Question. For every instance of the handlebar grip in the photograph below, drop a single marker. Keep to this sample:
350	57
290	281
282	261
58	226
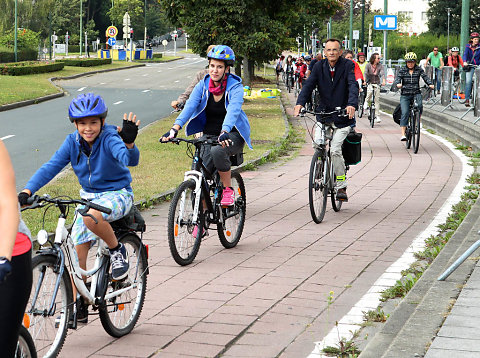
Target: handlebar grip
32	199
100	208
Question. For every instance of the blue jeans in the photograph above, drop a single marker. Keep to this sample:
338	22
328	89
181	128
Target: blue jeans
405	105
438	76
468	83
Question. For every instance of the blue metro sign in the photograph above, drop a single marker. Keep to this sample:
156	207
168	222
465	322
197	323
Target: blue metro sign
385	22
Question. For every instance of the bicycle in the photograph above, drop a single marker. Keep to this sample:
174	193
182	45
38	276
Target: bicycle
322	178
372	114
297	85
52	307
458	86
473	91
289	81
186	212
412	132
361	100
25	345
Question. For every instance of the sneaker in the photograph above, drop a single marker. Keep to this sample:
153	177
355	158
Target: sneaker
403	138
342	195
195	232
82	311
228	197
119	261
377	120
467	103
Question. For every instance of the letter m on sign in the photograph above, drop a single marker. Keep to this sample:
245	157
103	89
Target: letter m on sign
385	22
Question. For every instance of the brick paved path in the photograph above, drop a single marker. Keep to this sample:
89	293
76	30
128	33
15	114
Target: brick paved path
268	296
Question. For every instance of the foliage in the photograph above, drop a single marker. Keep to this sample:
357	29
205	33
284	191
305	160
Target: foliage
224	22
29	67
399	44
8	55
135	10
26	39
86	62
438	16
377	315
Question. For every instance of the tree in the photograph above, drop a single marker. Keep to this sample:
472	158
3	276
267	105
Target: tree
135	10
257	30
438	16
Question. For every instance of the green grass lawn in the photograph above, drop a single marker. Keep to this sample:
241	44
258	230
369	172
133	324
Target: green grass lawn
21	88
162	166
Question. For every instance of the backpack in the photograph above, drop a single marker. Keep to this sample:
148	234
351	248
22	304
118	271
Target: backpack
397	114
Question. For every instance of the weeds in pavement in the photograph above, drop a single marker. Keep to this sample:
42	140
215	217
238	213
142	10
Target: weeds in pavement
377	315
345	348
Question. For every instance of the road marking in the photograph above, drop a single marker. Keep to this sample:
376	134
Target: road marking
177	81
144	91
146	74
7	136
171	68
118	102
81	89
102	83
127	79
159	71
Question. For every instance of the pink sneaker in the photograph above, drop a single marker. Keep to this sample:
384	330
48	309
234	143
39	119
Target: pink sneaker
195	232
228	197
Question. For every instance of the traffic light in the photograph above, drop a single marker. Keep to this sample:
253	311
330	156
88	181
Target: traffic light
344	43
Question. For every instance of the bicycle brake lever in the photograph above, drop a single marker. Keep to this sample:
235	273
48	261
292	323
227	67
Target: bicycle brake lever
83	212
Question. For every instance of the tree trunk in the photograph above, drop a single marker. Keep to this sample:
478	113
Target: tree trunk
238	67
247	72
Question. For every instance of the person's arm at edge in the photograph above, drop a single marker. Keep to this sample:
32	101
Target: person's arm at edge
9	216
190	106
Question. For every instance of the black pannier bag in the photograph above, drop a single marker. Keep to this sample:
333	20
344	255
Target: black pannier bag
352	148
397	114
237	159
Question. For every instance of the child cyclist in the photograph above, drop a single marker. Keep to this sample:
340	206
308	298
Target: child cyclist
99	154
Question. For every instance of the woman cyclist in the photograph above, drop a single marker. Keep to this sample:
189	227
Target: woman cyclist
408	79
455	61
215	108
373	74
471	56
15	260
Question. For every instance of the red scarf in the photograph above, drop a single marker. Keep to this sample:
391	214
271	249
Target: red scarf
218	90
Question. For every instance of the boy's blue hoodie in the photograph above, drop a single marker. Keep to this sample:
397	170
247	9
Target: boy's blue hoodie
194	111
104	170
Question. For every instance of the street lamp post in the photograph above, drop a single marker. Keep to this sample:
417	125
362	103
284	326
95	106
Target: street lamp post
350	34
81	27
362	36
448	28
145	36
16	27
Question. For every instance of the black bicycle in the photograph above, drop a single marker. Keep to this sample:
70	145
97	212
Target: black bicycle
322	178
25	345
372	114
412	131
361	99
289	81
188	221
52	308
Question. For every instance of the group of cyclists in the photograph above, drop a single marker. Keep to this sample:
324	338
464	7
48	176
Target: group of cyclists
100	154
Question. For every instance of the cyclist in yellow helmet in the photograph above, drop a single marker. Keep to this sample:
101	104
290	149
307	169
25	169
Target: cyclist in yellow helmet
408	79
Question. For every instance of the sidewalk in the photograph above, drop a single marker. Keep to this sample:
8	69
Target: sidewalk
269	296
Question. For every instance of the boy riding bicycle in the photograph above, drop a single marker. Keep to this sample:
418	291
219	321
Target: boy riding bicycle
99	155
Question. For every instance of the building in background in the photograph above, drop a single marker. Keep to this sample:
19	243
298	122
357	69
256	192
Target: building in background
415	10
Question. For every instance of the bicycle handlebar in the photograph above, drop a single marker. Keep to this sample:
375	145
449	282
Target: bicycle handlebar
36	201
342	112
191	141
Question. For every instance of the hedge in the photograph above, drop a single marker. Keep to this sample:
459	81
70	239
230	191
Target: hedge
86	62
29	67
22	55
157	55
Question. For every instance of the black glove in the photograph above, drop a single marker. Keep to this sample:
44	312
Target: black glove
23	198
172	133
5	268
129	131
223	137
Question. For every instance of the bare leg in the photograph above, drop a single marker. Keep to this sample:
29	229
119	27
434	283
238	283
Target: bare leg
403	130
226	178
102	229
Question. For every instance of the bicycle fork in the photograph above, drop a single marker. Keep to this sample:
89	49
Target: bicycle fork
197	177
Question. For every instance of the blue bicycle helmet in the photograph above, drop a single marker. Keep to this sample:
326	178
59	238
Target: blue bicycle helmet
87	105
224	53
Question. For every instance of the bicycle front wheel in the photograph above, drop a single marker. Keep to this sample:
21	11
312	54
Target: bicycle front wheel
458	91
416	132
409	131
25	345
317	187
120	313
230	231
372	116
48	329
181	227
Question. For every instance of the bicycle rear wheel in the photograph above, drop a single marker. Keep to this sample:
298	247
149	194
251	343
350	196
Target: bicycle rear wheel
416	132
119	314
336	204
183	245
317	187
25	345
48	331
458	91
230	230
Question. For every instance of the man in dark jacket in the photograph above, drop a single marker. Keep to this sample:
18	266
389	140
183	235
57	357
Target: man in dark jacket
335	79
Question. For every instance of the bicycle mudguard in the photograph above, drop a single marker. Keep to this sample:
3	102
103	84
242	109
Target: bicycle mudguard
102	285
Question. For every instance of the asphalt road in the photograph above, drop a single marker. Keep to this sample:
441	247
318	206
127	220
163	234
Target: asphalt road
33	133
